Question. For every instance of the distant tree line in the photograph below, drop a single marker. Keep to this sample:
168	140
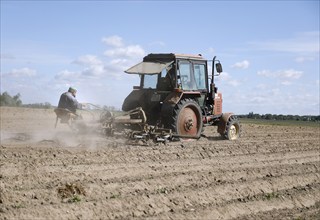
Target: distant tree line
45	105
280	117
8	100
14	101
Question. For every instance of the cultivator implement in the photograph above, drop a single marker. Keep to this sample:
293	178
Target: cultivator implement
133	125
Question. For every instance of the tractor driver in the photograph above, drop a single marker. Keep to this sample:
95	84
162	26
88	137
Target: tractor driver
68	101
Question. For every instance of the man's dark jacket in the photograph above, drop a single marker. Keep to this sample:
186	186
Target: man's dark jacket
68	101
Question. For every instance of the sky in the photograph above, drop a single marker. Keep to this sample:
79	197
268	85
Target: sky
269	50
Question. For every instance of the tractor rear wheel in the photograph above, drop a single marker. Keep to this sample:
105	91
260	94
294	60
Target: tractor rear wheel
187	119
232	131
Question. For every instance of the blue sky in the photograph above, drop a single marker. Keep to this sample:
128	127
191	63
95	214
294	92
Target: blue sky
269	49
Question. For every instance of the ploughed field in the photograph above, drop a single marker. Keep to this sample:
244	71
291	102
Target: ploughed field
271	172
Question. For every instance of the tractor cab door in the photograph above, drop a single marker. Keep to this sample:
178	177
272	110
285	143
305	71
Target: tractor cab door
199	71
200	75
185	76
192	76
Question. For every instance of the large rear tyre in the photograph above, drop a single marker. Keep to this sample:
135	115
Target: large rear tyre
232	131
187	119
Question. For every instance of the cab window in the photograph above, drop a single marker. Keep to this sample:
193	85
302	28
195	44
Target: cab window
199	75
150	81
186	76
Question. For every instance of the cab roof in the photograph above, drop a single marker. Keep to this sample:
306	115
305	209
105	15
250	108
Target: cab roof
154	63
171	56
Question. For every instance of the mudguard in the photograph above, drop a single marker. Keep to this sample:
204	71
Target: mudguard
173	99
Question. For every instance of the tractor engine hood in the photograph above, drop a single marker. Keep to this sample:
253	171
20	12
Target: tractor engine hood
148	68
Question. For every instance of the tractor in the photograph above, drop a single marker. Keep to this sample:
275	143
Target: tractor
177	97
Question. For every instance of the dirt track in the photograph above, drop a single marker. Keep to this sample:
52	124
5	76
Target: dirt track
272	172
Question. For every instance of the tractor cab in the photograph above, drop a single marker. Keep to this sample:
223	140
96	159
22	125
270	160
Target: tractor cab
166	72
163	74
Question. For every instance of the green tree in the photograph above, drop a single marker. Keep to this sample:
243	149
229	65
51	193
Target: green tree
8	100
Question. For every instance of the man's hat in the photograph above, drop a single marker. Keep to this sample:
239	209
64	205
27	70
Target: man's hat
71	89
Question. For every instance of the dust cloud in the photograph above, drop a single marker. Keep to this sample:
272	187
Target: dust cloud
40	128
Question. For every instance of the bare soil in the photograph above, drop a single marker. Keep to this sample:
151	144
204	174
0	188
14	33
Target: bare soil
271	172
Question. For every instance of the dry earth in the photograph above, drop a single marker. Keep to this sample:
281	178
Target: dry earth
272	172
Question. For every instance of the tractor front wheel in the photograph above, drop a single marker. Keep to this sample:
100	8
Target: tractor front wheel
232	131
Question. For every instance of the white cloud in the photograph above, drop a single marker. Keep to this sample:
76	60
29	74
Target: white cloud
131	51
286	83
88	60
257	99
290	74
23	72
261	86
120	65
284	74
119	58
241	65
67	76
304	59
225	77
233	82
275	91
114	41
119	62
93	65
94	70
120	50
261	98
266	73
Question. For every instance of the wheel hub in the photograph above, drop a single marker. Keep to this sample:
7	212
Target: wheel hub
187	122
233	132
188	125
